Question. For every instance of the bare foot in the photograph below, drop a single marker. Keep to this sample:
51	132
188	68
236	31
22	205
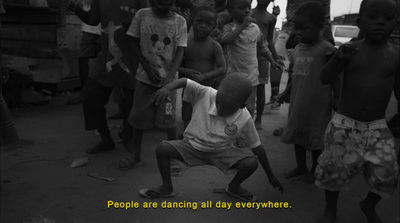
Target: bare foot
370	213
327	217
258	125
308	178
296	172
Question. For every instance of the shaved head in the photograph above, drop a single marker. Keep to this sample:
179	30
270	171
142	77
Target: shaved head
233	93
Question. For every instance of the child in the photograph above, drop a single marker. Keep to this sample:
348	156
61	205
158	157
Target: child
357	138
88	49
203	58
310	101
113	66
158	37
219	118
266	22
244	40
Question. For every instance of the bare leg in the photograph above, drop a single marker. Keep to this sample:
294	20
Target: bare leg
368	207
164	153
260	104
246	168
310	177
106	142
136	145
329	216
301	168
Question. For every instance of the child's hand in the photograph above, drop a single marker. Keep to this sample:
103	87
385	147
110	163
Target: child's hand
275	183
247	20
347	50
153	76
277	65
160	96
196	76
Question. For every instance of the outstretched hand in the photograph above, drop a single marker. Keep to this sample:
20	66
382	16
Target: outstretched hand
347	50
275	183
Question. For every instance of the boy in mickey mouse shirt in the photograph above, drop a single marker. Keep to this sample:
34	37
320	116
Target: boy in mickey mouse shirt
158	39
219	119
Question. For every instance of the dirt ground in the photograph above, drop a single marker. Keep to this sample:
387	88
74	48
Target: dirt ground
37	178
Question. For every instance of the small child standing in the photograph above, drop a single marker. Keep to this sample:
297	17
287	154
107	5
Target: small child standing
357	138
266	22
158	37
204	59
310	101
220	117
244	40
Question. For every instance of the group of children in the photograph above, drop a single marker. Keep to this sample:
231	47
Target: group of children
220	130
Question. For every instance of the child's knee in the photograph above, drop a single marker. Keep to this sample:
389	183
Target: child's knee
249	163
162	148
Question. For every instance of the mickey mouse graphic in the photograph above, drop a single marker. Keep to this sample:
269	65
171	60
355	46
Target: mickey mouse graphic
157	53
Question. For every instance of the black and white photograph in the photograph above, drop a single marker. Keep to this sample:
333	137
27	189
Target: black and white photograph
169	111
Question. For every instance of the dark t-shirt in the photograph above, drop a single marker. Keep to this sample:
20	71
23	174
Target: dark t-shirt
115	66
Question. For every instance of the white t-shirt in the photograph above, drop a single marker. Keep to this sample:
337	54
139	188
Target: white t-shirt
159	39
209	132
242	53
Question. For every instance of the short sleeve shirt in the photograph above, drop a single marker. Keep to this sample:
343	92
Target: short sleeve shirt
242	53
209	132
159	39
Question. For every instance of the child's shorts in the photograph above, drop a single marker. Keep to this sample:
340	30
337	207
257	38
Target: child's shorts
224	160
351	147
146	115
263	70
89	46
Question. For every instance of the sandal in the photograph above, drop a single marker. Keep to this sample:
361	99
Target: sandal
155	193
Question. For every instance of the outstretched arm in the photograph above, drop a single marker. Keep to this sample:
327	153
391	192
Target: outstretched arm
263	159
163	93
336	64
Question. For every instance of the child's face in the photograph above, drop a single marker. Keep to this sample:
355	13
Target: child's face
378	20
163	7
305	30
203	24
240	9
226	106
